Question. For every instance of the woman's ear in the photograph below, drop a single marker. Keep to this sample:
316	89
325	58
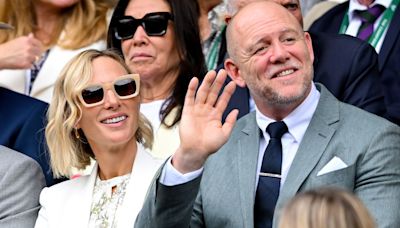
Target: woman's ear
234	72
77	122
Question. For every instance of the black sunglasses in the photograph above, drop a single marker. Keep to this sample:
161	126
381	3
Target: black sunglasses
154	24
124	87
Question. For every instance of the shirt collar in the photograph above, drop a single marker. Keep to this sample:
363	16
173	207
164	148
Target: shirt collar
298	120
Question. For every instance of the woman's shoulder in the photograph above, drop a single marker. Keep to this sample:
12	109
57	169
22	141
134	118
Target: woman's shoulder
98	45
67	187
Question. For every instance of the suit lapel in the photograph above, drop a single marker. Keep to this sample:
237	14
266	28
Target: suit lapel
50	70
390	38
143	170
315	140
81	203
247	162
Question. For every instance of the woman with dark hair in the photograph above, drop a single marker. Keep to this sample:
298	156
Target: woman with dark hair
160	41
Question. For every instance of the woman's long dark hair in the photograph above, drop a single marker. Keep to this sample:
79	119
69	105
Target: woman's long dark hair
187	38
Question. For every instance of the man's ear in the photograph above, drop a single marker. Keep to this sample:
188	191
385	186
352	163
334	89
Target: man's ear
234	72
308	41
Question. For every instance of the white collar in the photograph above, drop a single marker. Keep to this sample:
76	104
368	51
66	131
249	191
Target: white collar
298	120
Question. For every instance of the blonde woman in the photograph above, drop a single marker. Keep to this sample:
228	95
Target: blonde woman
45	36
95	114
326	207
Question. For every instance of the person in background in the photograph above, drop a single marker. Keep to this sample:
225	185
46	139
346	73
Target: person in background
308	5
378	23
23	128
160	41
212	31
95	114
346	66
325	207
45	36
299	138
21	180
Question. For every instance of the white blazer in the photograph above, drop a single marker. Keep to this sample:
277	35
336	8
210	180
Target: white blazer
166	140
67	204
42	89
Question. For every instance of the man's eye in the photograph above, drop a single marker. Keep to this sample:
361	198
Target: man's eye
289	40
291	6
260	50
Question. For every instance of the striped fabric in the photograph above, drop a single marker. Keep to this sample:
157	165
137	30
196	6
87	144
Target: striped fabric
368	17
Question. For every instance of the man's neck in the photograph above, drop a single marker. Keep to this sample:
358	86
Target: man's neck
366	2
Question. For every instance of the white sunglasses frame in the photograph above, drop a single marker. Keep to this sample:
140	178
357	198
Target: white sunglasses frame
110	86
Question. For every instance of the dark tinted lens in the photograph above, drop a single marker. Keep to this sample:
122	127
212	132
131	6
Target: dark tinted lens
125	28
125	87
155	25
93	94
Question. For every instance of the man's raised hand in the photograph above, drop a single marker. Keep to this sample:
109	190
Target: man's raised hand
201	130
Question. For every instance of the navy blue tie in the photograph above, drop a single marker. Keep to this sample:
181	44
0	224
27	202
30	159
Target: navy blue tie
270	177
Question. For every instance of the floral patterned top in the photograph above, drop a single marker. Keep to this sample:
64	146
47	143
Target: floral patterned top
108	196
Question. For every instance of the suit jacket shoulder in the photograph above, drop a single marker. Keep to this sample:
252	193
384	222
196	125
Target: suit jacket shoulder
21	180
24	129
348	68
330	22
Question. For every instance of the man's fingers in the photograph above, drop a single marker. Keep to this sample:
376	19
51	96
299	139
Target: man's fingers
226	95
204	88
216	87
230	121
191	91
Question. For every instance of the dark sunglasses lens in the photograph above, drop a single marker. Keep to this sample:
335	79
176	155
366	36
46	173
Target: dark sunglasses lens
155	26
125	28
125	87
93	94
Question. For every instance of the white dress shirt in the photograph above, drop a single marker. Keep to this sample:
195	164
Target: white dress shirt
297	122
355	22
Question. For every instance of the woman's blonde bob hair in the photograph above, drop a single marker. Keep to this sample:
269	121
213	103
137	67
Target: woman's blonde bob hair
68	146
326	207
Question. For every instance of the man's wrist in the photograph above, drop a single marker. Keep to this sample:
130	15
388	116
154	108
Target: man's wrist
186	162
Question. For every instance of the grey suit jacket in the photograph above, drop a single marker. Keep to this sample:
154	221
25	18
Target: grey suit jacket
224	195
21	180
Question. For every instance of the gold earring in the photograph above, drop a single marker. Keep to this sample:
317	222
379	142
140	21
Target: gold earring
77	136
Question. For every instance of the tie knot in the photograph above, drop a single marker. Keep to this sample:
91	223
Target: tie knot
371	14
277	129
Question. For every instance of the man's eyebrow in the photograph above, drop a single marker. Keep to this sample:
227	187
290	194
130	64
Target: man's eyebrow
289	30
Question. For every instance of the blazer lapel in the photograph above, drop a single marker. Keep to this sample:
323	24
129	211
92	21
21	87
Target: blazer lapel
315	140
51	69
247	163
143	170
81	203
390	38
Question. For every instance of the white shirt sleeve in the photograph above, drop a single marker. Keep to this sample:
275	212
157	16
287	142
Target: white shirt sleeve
171	177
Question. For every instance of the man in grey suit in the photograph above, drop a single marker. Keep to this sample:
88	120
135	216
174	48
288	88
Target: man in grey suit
327	143
21	181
